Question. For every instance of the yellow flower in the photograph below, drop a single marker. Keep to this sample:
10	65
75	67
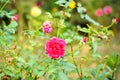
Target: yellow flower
35	11
72	4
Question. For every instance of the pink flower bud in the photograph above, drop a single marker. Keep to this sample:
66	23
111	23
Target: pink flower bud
107	10
115	20
38	4
14	47
47	27
15	17
99	12
84	39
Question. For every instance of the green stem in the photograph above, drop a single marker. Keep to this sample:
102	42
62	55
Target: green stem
95	31
1	3
75	62
115	65
110	25
58	32
58	26
4	6
81	72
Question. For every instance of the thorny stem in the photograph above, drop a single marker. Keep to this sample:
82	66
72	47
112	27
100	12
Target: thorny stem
75	62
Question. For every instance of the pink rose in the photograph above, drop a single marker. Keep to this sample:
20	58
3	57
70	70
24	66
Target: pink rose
15	17
99	12
107	10
47	27
55	48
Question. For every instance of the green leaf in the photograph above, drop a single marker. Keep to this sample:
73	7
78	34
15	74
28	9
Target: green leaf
93	72
9	71
48	60
78	79
13	24
17	73
62	76
49	15
87	72
12	12
35	71
76	53
11	31
102	75
84	58
94	44
82	16
91	20
66	4
85	30
111	61
87	78
20	59
60	1
68	40
70	78
79	5
96	55
52	68
28	69
110	70
67	14
80	10
100	66
30	78
67	66
41	73
52	77
1	75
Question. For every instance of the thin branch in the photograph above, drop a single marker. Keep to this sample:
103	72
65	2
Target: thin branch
75	62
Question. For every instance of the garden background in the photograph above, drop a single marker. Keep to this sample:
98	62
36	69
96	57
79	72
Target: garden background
59	40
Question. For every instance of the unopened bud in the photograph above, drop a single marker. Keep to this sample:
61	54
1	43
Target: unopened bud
115	20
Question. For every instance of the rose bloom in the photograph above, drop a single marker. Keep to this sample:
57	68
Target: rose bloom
55	48
99	12
84	39
47	27
107	10
15	17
